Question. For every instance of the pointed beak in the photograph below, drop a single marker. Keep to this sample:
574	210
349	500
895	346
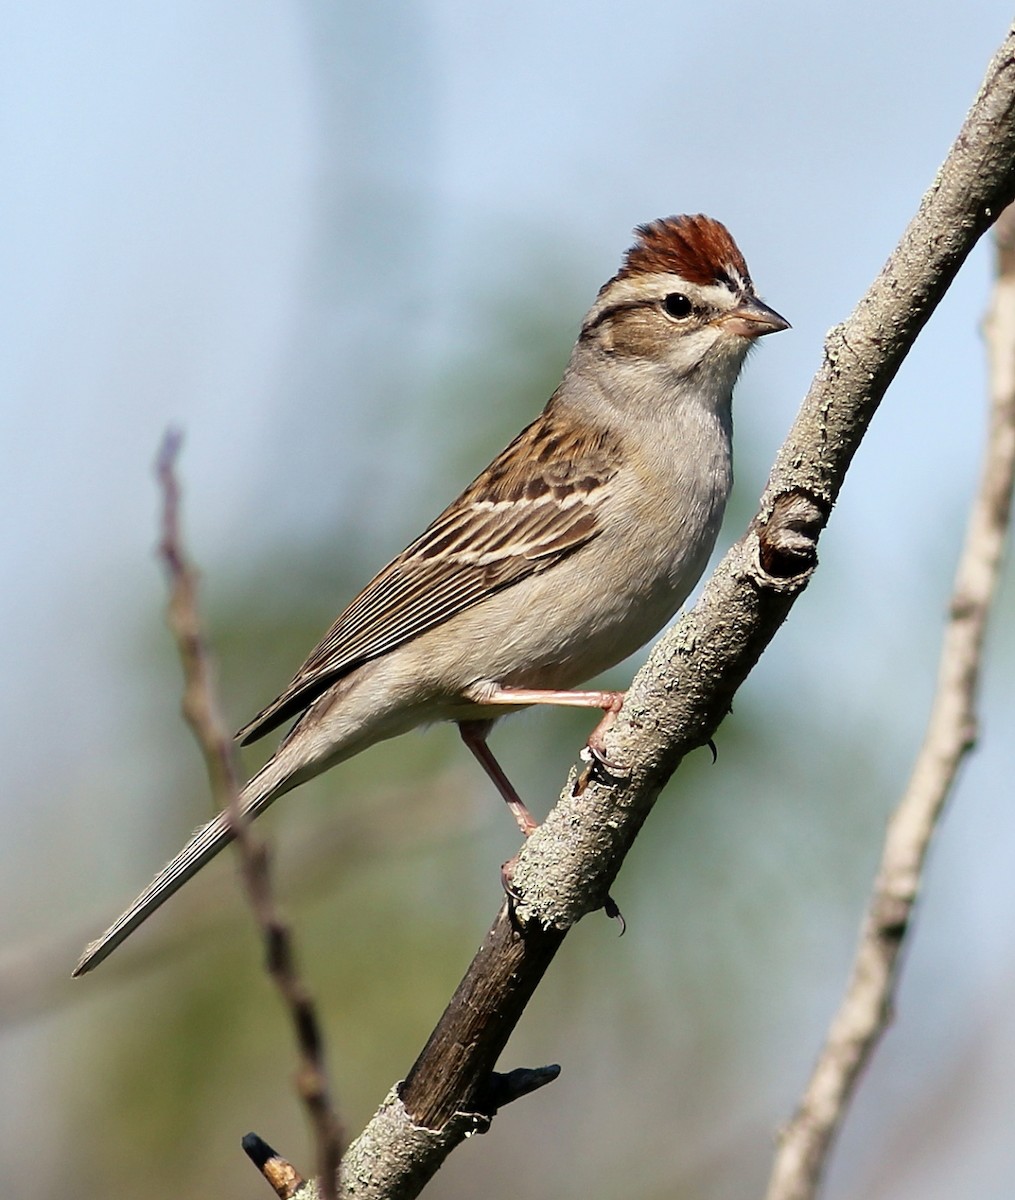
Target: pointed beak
753	319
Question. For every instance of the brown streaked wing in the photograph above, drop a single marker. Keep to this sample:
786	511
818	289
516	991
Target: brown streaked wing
533	505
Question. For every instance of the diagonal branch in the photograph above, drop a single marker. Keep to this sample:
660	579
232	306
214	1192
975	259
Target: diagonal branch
679	698
201	712
866	1007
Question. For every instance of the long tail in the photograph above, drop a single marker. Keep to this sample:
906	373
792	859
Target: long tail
270	783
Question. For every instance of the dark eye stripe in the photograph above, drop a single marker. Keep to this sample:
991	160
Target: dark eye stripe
624	306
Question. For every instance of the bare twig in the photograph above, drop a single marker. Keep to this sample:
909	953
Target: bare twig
286	1181
201	713
678	699
951	730
399	820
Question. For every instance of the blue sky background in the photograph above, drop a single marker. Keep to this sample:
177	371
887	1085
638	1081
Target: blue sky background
280	225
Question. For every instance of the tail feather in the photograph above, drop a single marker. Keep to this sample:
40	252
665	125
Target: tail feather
202	848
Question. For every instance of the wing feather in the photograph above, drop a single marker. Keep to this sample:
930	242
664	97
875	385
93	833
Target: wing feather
532	506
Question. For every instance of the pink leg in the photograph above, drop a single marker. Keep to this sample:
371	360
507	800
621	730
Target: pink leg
609	702
474	734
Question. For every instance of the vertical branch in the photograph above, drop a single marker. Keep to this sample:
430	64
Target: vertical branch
201	713
951	731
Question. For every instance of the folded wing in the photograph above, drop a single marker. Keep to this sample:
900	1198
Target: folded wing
535	504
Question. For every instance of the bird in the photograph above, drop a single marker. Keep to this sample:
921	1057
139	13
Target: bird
572	549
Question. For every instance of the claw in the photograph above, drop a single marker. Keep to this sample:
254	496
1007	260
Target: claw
605	770
715	753
600	768
615	769
507	874
613	912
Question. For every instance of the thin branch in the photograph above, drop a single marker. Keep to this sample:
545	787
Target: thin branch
399	820
678	699
866	1008
201	712
287	1182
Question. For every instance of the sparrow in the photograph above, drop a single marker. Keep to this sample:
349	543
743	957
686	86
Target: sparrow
568	553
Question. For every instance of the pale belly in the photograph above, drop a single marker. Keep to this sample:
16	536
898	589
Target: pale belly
559	630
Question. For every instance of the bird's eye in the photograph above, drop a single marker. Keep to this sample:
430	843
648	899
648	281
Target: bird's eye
677	304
